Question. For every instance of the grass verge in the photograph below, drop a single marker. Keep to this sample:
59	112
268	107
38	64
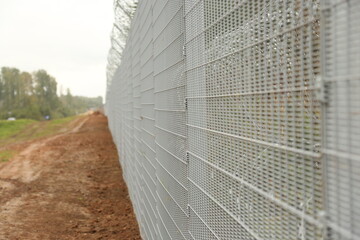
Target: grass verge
6	155
24	129
53	126
12	128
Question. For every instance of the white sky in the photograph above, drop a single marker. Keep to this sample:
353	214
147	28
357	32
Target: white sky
67	38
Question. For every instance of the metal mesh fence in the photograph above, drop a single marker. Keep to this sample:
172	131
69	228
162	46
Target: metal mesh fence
341	76
240	119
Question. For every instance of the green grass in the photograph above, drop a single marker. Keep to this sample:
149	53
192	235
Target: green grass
12	128
6	155
24	129
53	126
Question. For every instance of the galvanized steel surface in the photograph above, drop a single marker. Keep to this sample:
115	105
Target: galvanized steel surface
240	119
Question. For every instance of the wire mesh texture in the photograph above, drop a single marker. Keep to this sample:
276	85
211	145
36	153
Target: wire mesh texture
240	119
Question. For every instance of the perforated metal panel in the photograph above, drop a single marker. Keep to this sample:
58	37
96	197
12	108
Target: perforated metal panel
342	117
170	119
255	157
240	119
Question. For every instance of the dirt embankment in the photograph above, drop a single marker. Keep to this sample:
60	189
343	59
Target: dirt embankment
67	186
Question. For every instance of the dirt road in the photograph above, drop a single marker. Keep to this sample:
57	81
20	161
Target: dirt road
67	186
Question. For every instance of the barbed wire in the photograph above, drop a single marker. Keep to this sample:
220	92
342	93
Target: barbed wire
124	11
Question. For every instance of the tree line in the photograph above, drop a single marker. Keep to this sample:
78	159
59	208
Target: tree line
34	96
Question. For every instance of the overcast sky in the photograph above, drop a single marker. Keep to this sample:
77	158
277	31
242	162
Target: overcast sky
67	38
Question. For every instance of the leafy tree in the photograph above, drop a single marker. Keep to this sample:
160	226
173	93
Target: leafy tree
10	82
45	90
26	89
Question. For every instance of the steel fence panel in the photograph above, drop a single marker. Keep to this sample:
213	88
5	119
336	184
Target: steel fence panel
341	76
262	126
170	118
239	119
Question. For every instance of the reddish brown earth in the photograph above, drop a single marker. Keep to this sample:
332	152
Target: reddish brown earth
67	186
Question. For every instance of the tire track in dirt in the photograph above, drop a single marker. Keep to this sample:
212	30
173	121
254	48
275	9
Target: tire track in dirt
23	168
67	186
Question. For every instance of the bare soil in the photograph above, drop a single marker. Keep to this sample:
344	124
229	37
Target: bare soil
67	186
